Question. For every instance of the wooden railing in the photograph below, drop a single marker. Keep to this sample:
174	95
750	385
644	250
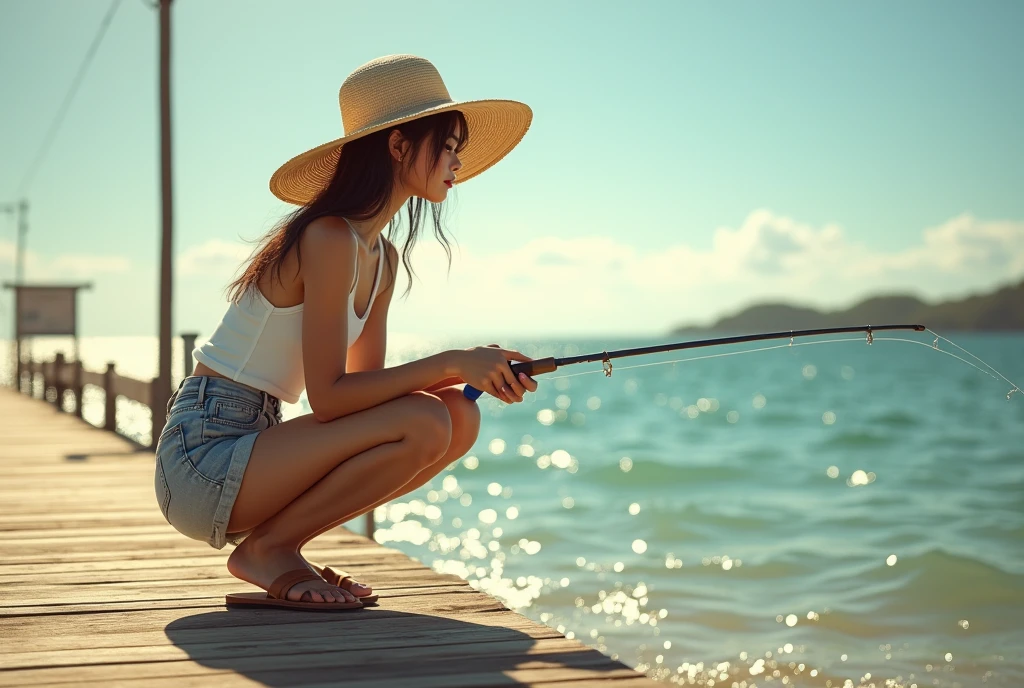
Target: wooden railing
61	375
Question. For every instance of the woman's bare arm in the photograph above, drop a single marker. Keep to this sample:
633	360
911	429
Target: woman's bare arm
328	268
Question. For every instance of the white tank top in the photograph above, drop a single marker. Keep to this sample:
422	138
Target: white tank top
260	345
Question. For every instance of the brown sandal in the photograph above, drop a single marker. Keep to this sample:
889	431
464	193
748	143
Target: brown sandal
275	596
339	578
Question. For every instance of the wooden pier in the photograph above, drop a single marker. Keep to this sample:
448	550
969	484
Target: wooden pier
97	589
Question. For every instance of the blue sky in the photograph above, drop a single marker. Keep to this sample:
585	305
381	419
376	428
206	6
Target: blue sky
686	159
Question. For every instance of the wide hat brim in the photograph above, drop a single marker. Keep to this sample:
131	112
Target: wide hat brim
495	126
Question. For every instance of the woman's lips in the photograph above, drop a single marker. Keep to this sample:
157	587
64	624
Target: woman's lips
448	182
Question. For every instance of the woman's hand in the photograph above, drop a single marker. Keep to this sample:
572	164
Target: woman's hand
487	368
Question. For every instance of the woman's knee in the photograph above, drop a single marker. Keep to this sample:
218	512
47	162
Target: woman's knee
465	418
429	425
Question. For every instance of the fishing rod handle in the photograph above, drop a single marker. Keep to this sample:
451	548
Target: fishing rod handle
531	368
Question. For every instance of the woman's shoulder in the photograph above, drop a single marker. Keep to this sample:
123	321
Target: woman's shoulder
328	251
330	233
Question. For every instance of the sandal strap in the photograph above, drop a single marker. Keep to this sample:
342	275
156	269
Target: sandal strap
289	579
341	575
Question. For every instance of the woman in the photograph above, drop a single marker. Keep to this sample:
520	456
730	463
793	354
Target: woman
310	312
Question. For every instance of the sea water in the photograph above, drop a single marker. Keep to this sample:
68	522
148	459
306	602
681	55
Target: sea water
829	514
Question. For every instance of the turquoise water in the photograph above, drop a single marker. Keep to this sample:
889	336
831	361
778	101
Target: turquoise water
837	513
878	544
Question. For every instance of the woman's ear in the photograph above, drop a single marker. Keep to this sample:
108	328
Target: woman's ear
397	145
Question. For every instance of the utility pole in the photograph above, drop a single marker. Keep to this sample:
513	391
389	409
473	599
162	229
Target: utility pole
161	391
19	265
21	208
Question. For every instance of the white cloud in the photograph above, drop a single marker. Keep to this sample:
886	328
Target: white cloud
601	284
214	258
64	266
86	266
604	285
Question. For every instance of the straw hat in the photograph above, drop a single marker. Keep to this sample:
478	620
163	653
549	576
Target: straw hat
388	91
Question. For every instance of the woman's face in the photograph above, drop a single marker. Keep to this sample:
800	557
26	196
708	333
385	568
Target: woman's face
433	184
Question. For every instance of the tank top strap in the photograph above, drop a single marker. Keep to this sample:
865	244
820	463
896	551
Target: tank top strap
355	278
380	266
380	270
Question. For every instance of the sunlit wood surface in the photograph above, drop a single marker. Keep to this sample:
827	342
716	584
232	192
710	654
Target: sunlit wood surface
96	588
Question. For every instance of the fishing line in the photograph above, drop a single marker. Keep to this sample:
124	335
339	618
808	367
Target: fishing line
701	358
935	345
551	364
932	346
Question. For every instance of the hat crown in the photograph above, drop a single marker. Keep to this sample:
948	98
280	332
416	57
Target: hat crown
387	89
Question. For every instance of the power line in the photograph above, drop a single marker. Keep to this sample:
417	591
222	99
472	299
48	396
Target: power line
51	134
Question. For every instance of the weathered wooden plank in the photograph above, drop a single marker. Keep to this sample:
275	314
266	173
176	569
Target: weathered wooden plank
158	580
120	622
214	594
78	573
15	537
318	658
110	541
126	464
98	456
406	631
13	485
112	514
56	628
186	548
441	605
95	588
15	596
545	675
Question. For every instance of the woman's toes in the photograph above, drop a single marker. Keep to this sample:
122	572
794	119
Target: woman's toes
335	594
359	589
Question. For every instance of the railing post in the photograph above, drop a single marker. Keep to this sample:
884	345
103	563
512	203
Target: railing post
58	382
46	367
22	369
370	525
189	341
30	368
44	372
110	419
158	409
78	387
19	368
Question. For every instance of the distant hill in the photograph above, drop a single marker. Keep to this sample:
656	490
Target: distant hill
999	311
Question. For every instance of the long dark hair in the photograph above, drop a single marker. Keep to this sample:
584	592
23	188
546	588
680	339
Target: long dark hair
362	187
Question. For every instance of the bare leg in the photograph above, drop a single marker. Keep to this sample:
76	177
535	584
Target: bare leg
304	474
465	416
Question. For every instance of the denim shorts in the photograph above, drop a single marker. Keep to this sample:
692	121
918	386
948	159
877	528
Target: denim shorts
202	453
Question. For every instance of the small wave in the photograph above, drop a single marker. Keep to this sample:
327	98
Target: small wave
769	570
653	472
862	438
896	419
940	580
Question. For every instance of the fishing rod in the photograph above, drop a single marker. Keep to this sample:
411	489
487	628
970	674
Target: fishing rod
550	364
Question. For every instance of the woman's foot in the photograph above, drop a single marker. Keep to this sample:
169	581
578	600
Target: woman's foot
356	588
260	565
